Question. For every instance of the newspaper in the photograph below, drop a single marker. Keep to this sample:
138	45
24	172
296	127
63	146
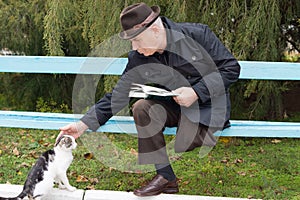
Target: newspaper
144	91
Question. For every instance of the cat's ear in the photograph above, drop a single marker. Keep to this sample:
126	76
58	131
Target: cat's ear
58	140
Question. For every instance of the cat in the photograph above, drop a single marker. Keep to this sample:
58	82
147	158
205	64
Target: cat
51	167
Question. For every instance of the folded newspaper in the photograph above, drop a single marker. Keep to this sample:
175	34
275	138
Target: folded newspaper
144	91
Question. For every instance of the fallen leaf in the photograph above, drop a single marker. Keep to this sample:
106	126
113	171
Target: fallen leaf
283	188
224	140
72	173
175	157
276	141
34	154
41	141
81	179
24	164
53	136
133	152
16	151
111	169
238	160
88	156
261	150
224	161
242	173
14	144
90	187
186	182
21	132
138	171
94	180
47	144
253	164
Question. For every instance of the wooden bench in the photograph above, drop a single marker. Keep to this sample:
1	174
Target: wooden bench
125	124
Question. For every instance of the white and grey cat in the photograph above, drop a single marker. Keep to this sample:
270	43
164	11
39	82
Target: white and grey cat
50	167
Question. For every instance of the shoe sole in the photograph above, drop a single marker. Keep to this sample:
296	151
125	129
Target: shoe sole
166	191
171	191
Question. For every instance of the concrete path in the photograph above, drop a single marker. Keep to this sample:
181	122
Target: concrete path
13	190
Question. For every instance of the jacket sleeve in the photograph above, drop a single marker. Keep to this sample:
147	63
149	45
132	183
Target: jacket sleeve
228	68
99	113
111	103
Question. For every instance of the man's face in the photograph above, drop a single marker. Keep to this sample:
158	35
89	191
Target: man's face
145	43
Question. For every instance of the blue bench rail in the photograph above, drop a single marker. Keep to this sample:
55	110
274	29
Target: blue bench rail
115	66
125	124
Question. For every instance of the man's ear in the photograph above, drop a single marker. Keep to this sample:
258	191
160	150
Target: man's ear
156	29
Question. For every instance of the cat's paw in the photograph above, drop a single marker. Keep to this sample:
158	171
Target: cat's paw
71	188
61	186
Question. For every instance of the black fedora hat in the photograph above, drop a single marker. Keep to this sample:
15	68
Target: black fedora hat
136	18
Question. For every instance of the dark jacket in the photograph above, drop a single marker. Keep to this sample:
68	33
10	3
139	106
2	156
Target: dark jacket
195	58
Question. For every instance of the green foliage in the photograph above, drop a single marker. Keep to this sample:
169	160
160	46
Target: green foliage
51	106
252	30
53	23
22	91
62	27
21	27
268	99
291	24
98	25
87	89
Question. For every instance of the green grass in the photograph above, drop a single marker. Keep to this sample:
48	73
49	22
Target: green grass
237	167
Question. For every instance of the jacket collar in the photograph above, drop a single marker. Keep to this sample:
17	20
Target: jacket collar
174	32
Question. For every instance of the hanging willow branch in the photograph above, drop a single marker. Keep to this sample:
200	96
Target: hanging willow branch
251	29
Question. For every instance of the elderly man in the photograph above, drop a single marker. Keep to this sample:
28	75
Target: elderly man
186	58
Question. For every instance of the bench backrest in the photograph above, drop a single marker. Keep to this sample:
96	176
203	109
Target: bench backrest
115	66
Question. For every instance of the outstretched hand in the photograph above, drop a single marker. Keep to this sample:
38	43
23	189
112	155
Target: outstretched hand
187	96
75	129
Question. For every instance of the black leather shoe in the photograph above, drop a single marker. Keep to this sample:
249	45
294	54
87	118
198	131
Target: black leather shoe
157	186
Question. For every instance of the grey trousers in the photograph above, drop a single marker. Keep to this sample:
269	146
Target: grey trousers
152	116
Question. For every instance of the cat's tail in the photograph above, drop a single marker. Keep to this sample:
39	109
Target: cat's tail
19	197
10	198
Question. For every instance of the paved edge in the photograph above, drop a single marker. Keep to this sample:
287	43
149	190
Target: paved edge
7	190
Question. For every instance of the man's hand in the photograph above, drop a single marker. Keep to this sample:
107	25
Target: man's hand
75	129
187	96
